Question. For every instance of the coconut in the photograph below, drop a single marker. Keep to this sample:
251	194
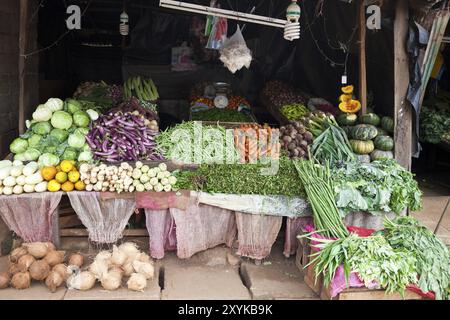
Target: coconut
21	280
118	257
130	249
144	268
50	246
99	268
128	269
39	270
116	269
17	253
104	255
25	262
5	279
37	249
143	257
137	282
112	280
82	281
76	259
54	257
13	268
62	270
54	280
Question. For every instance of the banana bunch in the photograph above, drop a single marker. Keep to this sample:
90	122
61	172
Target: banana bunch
143	89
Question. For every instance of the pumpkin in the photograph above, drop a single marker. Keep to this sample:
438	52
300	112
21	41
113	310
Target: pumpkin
362	146
369	118
345	98
384	143
347	89
382	132
379	154
363	158
364	132
387	123
347	119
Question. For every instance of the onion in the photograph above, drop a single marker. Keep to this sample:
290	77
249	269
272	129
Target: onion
76	259
37	249
112	281
13	269
54	280
144	268
17	253
82	281
137	282
39	270
118	257
21	280
25	262
5	279
62	270
55	257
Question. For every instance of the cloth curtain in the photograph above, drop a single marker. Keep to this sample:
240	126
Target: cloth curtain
105	220
30	215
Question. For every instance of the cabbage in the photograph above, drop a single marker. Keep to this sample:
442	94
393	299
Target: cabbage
82	131
81	119
42	113
19	145
41	128
92	114
20	157
31	154
73	105
76	140
85	156
48	160
61	120
69	154
59	134
86	147
54	104
50	149
34	140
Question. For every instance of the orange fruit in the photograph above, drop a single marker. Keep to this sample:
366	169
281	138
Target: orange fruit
67	186
80	186
48	173
61	177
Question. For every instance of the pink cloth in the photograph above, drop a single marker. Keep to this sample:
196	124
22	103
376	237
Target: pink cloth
189	231
257	234
339	284
163	200
294	226
30	215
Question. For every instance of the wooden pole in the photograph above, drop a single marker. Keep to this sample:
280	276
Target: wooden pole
23	31
402	108
362	57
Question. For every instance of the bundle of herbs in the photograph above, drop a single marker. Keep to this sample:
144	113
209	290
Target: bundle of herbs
318	185
243	179
432	258
217	114
372	258
378	187
332	146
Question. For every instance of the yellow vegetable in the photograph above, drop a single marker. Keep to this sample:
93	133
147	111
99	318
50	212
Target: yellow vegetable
61	177
58	168
53	186
74	176
48	173
66	166
347	89
80	186
67	186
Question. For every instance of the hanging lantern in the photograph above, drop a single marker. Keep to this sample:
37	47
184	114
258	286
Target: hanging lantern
292	27
124	27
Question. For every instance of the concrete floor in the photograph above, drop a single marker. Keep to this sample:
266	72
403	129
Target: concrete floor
213	274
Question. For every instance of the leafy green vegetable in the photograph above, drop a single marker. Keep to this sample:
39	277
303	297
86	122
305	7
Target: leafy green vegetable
380	186
34	140
371	257
243	179
61	120
81	119
434	122
217	114
19	145
431	255
59	134
41	128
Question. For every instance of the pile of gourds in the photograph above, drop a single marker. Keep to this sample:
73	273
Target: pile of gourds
369	135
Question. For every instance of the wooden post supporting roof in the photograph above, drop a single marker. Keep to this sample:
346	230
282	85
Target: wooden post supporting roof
402	108
362	57
23	31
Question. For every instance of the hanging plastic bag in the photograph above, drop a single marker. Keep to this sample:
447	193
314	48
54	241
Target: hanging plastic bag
234	53
218	33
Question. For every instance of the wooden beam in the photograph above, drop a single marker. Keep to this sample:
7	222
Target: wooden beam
84	233
362	57
23	32
402	108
